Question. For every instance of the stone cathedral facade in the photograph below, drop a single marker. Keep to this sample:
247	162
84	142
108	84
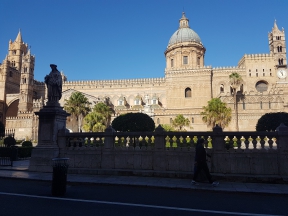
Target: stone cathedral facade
185	88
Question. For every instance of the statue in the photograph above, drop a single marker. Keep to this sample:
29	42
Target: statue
54	84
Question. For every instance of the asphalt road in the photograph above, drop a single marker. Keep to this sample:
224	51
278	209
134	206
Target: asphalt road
27	197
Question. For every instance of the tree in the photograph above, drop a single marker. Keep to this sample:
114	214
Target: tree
133	122
167	127
104	110
79	106
99	119
270	121
216	112
94	122
235	82
180	122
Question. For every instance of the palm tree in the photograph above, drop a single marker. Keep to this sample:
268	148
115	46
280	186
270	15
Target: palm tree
216	112
180	121
104	110
235	82
79	106
94	122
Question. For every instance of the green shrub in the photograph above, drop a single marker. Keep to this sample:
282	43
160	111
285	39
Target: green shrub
27	144
270	121
133	122
9	141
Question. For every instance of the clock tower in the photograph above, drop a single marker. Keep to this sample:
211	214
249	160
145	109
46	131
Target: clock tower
277	46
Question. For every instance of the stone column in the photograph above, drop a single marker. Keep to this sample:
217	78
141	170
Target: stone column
159	156
108	157
282	146
218	153
52	118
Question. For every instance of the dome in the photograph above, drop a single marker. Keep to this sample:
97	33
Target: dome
184	33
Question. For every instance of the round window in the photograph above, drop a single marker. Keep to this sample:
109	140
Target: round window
261	86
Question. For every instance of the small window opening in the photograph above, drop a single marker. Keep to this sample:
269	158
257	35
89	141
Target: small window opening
185	60
221	88
187	92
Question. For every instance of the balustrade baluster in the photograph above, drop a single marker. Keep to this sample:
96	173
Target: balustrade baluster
194	141
167	142
258	144
274	144
243	145
188	141
266	144
127	144
238	142
250	145
174	142
270	141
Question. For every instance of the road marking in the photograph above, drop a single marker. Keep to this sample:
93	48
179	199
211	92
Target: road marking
137	205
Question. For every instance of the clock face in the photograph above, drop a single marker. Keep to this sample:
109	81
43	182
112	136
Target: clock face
281	73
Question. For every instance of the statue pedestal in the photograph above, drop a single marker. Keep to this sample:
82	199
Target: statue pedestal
52	118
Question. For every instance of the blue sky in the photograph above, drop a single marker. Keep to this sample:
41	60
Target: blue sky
126	39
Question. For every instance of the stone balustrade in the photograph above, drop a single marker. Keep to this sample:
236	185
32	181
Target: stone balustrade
163	153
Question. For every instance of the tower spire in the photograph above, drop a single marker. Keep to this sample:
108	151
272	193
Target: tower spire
19	37
275	25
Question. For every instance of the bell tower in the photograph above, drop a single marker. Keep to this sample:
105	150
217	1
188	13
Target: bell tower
26	83
16	50
277	46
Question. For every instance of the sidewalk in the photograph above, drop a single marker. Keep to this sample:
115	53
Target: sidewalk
20	170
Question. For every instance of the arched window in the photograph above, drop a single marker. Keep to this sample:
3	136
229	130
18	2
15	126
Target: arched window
221	88
187	92
10	74
192	120
171	120
280	61
261	86
279	48
158	121
172	62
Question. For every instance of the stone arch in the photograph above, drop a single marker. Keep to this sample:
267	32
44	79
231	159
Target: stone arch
12	109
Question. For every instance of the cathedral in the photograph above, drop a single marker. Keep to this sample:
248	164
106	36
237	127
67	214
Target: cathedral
185	88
